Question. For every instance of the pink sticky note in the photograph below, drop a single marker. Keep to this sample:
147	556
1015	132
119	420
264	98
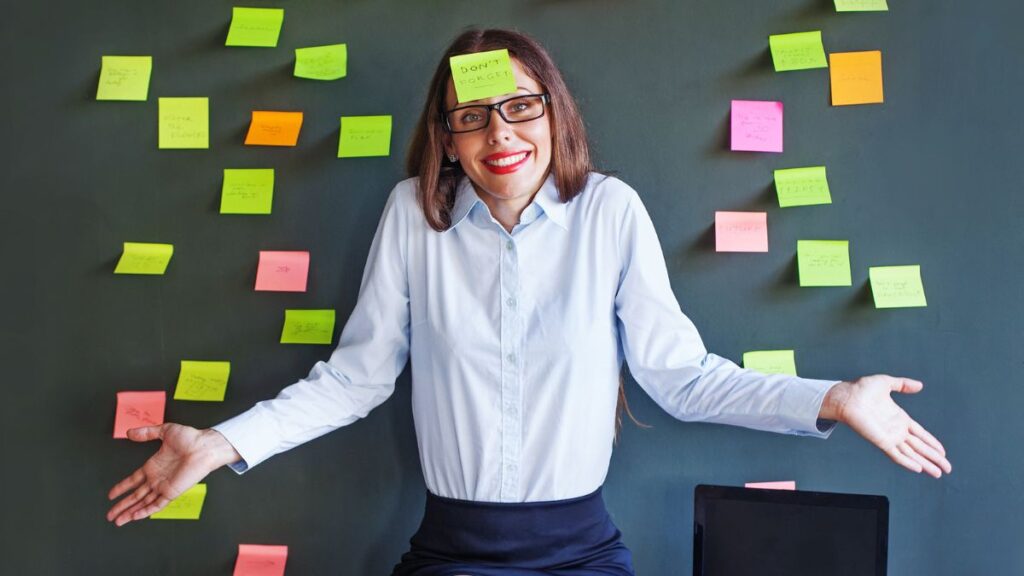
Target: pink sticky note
282	271
783	485
137	409
756	126
260	560
741	231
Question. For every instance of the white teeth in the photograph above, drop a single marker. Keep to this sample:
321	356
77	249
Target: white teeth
506	161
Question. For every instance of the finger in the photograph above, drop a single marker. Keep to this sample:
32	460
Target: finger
129	514
923	434
127	484
146	433
152	508
127	501
928	467
902	460
930	453
906	385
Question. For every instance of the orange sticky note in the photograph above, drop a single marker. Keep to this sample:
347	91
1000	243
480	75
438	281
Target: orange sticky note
137	409
783	485
274	128
282	271
741	231
856	77
260	560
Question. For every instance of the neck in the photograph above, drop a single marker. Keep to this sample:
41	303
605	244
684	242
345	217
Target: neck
506	211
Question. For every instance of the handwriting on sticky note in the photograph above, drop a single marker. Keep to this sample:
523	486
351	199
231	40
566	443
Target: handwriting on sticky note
797	51
862	6
184	122
741	231
258	27
482	75
124	78
321	62
856	78
756	126
144	258
308	327
187	506
282	271
771	361
779	485
247	191
138	409
802	186
823	262
260	560
202	380
363	136
897	286
274	128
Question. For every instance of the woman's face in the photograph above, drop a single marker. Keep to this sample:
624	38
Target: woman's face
486	154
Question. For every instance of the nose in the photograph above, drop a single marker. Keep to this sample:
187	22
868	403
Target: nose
497	129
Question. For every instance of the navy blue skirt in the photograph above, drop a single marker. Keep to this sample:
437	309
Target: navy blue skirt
573	537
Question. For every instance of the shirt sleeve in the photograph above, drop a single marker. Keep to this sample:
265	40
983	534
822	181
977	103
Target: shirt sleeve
361	372
667	358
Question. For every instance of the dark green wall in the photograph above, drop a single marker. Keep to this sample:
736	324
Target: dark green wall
932	177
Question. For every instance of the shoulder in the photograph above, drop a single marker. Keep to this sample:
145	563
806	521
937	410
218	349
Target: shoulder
404	194
606	198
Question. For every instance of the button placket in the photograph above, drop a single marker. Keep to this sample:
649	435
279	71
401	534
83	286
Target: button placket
511	345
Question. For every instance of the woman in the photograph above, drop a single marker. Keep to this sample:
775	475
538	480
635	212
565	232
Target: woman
519	281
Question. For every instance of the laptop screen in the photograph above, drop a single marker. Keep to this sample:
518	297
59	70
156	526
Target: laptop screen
757	532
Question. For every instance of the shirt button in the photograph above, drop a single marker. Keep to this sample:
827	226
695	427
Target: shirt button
511	302
511	357
509	245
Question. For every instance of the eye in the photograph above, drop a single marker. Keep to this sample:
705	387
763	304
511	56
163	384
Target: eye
470	117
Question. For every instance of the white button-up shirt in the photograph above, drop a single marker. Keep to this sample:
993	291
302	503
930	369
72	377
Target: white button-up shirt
517	341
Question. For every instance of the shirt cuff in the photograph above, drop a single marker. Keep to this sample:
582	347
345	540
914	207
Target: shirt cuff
800	405
252	436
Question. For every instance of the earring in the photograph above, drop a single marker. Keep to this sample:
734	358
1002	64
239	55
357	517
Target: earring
452	158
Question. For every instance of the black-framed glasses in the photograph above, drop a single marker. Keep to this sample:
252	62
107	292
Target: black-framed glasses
521	108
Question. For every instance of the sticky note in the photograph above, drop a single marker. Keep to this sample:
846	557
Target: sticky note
144	258
247	191
321	62
138	409
308	327
771	361
124	78
780	485
274	128
260	560
802	186
741	231
255	27
756	126
282	271
862	6
797	51
363	136
184	122
187	506
203	381
897	286
856	77
823	262
482	75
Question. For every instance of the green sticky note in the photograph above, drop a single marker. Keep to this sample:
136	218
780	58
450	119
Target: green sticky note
862	6
255	27
205	381
823	262
482	75
771	361
797	51
308	327
187	506
247	191
125	78
897	286
184	122
802	186
144	258
322	62
364	136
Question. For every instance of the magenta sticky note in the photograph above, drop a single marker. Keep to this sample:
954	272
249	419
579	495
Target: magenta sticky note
138	409
783	485
741	231
282	271
756	126
260	560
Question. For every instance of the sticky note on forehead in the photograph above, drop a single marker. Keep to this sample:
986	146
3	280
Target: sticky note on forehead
482	75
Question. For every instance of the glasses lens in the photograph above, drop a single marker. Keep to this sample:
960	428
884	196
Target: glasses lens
523	109
470	118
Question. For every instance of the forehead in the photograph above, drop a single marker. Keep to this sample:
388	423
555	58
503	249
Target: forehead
523	80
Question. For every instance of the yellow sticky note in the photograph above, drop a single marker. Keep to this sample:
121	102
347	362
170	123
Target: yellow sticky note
363	136
802	186
184	122
482	75
771	361
187	506
258	27
125	78
308	327
797	51
204	381
862	6
247	191
322	62
144	258
897	286
856	77
824	262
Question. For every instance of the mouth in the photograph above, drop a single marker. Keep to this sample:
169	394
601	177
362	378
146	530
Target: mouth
505	162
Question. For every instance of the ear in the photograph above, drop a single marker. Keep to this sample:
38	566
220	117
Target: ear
449	147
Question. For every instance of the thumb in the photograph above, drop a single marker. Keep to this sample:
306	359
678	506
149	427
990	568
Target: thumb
906	385
146	433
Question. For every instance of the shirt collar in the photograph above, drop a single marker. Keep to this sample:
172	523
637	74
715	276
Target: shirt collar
547	198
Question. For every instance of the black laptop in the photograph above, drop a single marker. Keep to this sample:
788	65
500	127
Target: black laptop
759	532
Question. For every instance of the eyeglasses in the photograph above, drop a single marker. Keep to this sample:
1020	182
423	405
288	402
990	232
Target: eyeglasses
522	108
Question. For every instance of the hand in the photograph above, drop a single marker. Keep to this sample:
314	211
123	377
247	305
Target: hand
185	457
865	406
